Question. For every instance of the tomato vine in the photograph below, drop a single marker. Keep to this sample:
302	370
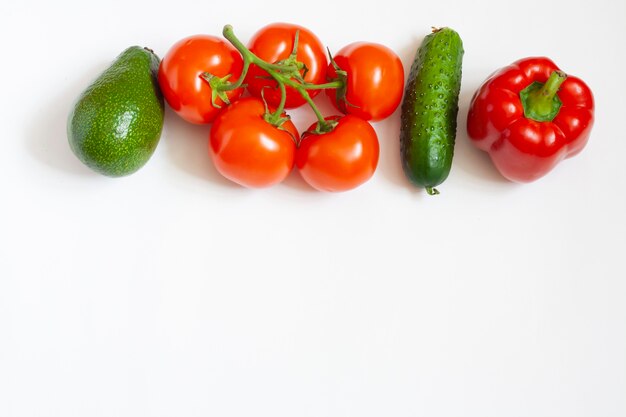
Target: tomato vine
286	73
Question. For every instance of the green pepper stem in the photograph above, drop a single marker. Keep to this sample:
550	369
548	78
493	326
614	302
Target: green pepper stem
541	101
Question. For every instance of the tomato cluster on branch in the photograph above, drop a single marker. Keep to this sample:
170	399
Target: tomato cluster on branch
252	140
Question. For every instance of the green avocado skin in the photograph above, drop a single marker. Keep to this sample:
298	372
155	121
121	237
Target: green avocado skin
429	109
115	125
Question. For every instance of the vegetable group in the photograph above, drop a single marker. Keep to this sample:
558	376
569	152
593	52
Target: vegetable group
253	141
429	111
529	116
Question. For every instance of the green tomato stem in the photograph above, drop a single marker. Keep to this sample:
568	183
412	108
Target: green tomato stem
332	84
250	58
279	72
277	115
324	126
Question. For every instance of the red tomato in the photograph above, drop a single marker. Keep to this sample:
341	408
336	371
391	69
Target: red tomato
339	160
248	150
375	80
180	71
274	43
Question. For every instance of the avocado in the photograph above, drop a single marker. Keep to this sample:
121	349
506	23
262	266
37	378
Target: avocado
115	124
429	110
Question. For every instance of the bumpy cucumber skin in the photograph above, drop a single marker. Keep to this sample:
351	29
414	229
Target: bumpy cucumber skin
430	108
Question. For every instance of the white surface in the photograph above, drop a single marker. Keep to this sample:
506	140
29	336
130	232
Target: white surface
174	293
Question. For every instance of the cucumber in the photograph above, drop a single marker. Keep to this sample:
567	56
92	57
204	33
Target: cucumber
429	109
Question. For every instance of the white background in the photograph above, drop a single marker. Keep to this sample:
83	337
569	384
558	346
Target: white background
175	293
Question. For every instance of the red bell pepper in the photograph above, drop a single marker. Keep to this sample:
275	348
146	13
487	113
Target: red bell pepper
529	116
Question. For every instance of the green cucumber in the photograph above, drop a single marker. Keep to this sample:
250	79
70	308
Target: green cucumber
430	108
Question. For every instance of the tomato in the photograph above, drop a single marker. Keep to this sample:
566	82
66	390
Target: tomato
180	71
375	80
274	43
248	150
339	160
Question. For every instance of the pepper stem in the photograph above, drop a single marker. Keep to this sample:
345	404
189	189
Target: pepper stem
541	101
